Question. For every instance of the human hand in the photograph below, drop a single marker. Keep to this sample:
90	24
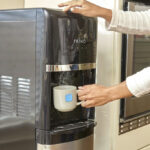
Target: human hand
86	8
93	95
97	95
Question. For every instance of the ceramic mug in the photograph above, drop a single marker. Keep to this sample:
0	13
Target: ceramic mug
65	98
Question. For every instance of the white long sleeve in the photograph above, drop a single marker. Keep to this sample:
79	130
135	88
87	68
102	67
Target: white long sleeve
139	83
133	23
130	22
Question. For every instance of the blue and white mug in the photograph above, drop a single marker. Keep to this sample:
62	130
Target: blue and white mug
65	98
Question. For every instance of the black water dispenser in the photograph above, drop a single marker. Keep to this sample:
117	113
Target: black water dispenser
39	50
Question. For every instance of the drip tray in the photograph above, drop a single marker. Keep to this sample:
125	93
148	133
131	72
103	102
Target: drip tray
66	133
74	126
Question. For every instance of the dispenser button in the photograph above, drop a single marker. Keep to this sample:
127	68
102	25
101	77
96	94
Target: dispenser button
68	98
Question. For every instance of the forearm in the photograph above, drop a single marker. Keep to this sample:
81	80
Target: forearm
105	13
139	83
119	91
130	22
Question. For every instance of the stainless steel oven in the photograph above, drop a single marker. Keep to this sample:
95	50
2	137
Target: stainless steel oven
135	112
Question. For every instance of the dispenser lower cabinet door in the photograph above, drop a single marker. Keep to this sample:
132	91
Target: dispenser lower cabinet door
82	144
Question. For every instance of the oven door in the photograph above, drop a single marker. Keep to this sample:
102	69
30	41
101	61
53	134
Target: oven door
135	57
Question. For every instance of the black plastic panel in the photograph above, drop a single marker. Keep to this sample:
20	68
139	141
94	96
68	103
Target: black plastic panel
57	32
70	38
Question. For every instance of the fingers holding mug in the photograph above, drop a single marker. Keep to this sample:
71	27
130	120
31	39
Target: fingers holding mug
88	104
82	98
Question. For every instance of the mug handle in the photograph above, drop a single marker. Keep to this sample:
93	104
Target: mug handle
79	103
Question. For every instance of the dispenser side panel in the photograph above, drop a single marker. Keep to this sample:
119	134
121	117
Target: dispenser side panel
17	79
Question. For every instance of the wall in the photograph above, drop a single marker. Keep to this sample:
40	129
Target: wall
42	3
11	4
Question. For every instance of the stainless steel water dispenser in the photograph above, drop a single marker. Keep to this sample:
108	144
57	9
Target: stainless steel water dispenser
41	49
